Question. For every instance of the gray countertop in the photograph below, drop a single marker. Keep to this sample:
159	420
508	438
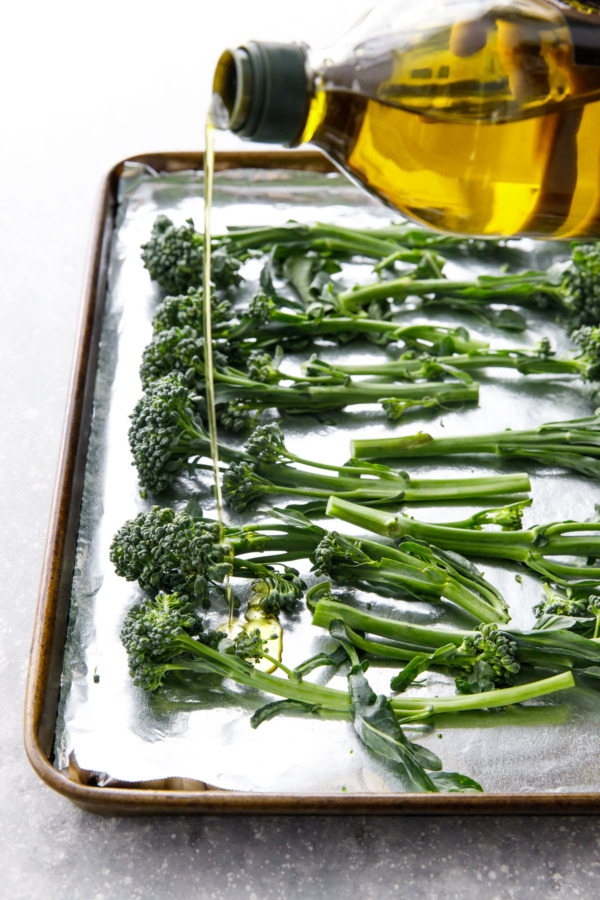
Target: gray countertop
82	87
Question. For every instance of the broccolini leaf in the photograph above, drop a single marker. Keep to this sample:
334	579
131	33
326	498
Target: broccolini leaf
421	663
280	707
376	725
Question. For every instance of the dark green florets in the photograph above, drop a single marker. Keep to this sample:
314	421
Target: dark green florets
164	432
394	409
235	416
495	664
247	645
186	310
262	367
588	339
335	551
581	282
152	636
174	350
568	604
266	444
282	592
242	485
174	258
168	551
260	308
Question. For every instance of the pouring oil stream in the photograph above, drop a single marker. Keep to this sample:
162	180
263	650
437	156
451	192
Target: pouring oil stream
209	158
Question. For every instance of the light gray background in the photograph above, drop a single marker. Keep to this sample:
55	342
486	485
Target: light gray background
83	85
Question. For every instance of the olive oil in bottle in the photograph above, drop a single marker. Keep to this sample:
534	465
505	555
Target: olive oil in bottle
472	117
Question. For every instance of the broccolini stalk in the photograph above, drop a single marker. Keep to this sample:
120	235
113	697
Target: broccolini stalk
417	569
263	469
534	547
321	237
572	291
529	288
312	399
286	324
483	658
165	634
235	388
177	346
269	318
376	724
573	444
167	436
541	360
169	551
402	242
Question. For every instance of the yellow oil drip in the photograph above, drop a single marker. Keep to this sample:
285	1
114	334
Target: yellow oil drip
209	166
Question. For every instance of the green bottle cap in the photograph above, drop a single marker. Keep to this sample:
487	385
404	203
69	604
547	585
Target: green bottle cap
264	88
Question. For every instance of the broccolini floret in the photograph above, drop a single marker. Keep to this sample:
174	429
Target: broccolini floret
164	433
167	436
174	258
160	633
176	350
581	286
250	645
581	609
282	592
495	660
170	551
568	604
185	310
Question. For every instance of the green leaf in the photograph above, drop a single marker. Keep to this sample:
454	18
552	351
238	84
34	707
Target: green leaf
453	782
376	726
421	663
551	622
337	658
509	319
193	509
280	707
294	517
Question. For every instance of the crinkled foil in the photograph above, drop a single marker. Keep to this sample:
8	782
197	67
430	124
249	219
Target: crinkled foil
116	731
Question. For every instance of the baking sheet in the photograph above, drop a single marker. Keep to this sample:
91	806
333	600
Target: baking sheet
111	728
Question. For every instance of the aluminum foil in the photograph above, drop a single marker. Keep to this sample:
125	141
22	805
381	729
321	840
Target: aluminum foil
111	728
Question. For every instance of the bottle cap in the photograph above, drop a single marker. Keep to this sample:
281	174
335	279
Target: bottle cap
264	88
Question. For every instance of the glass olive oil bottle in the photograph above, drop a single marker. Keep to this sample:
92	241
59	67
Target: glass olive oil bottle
471	116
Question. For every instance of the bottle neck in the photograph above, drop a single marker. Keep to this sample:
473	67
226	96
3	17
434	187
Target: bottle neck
261	91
